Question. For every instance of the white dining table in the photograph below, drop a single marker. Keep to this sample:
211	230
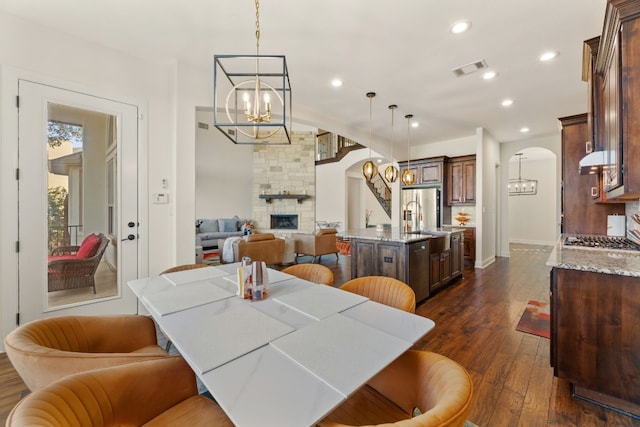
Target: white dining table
286	360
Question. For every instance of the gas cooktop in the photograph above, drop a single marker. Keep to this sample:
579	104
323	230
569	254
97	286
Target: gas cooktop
602	242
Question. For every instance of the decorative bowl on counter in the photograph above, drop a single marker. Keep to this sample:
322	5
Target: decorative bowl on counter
463	218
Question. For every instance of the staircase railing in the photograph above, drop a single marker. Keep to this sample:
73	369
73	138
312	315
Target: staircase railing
381	191
332	148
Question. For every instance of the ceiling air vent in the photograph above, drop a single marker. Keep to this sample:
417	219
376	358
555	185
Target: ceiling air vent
203	125
470	68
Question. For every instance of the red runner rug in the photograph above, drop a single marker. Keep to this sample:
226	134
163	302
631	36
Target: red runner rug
536	319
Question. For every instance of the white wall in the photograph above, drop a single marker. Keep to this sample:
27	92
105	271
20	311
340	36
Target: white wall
487	162
452	148
331	196
224	173
39	51
532	218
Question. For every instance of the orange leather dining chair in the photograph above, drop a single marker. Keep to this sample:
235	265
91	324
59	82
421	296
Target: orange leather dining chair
45	350
316	273
151	393
385	290
419	389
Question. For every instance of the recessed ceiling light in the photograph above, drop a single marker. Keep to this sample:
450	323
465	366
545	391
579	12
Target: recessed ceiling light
415	124
507	102
489	75
548	56
379	160
524	129
460	27
336	82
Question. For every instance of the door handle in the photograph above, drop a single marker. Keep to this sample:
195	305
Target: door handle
129	237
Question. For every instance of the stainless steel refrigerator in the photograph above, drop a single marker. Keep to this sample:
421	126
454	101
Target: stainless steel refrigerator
420	209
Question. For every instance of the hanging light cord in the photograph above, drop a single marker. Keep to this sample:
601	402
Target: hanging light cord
408	116
370	123
256	97
393	108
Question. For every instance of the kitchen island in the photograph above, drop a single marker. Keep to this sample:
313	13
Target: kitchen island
595	312
426	261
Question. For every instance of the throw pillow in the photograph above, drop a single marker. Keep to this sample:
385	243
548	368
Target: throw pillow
209	226
227	225
89	246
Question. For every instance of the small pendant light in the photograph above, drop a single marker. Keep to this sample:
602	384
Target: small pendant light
391	172
408	176
369	169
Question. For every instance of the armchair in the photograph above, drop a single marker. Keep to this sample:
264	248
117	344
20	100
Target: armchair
259	247
72	267
45	350
151	393
321	242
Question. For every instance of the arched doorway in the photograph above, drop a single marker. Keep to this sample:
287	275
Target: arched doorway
532	211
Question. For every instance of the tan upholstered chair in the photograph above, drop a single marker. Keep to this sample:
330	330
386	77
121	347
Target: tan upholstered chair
183	267
45	350
151	393
439	388
315	273
264	247
321	242
385	290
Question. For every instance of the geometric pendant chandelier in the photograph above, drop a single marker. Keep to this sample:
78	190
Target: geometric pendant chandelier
252	96
522	186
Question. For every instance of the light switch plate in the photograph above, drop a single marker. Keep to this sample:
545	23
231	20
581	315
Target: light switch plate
160	198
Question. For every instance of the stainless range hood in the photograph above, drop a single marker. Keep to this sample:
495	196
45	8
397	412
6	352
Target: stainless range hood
593	163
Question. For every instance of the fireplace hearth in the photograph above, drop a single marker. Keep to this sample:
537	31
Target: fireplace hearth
284	222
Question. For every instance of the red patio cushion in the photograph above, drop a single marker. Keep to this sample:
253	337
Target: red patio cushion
89	246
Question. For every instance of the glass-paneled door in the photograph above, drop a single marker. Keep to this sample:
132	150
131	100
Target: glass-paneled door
77	203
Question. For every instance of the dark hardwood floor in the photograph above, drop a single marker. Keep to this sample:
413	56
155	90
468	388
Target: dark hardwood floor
475	320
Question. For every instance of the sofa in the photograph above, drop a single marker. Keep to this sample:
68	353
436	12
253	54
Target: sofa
209	231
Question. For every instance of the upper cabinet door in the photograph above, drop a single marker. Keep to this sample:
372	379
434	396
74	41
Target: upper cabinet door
612	173
461	174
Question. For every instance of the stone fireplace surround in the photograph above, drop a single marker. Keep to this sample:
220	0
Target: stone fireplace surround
282	169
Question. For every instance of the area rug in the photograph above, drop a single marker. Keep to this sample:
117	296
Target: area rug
535	319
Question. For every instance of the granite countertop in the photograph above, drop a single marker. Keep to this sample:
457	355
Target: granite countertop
395	234
608	261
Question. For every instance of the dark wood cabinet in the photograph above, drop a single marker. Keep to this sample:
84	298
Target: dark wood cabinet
469	244
406	262
457	254
425	265
580	214
595	341
431	173
461	180
612	175
439	262
614	89
428	171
